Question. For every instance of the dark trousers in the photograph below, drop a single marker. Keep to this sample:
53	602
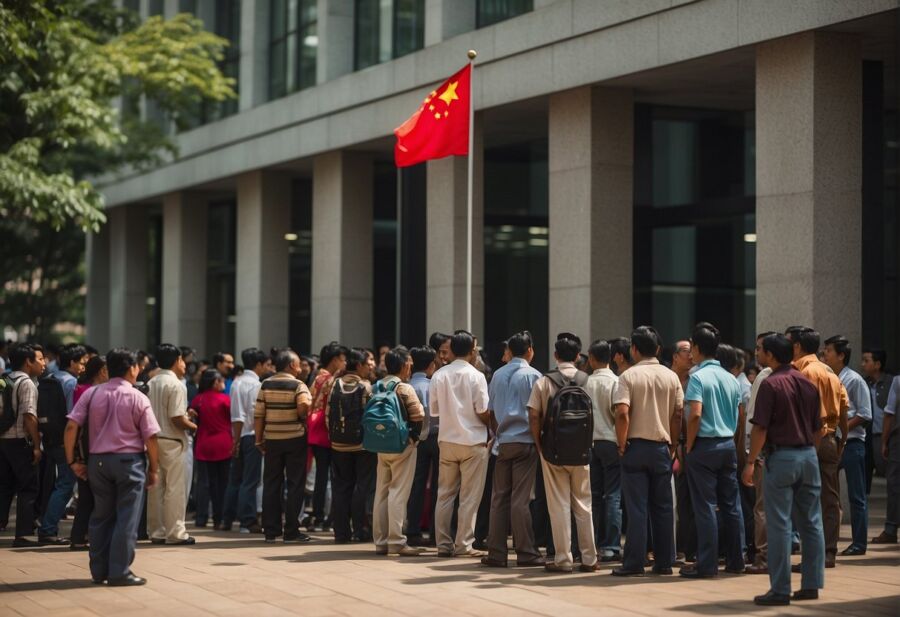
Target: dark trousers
212	480
853	461
285	464
606	497
686	527
117	481
323	473
514	473
19	477
59	492
712	477
483	519
353	476
540	515
83	511
428	462
647	489
243	480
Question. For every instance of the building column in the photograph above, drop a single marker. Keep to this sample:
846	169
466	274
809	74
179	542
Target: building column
334	27
342	249
591	159
444	19
808	184
98	289
254	66
262	264
128	245
184	270
446	222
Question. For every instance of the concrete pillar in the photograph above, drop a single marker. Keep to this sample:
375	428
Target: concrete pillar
129	235
98	289
342	249
446	205
808	184
444	19
262	270
184	270
254	68
334	56
591	155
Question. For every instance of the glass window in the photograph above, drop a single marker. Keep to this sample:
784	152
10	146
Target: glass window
493	11
292	47
220	281
227	23
386	29
300	254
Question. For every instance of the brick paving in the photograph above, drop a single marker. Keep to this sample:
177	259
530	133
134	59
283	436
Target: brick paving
231	574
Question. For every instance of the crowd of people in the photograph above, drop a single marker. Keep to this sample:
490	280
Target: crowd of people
690	454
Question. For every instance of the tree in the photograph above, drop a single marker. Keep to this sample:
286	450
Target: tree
66	66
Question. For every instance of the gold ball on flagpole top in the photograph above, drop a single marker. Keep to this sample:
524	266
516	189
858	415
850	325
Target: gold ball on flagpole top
472	53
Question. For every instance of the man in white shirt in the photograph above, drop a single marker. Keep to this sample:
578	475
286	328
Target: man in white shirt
458	396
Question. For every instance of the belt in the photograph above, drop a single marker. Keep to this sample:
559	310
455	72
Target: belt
772	447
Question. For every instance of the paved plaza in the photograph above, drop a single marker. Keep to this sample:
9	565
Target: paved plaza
238	575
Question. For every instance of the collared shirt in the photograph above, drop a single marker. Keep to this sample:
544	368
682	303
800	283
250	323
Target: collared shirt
277	403
544	389
69	383
244	391
880	389
893	403
509	390
746	386
652	393
601	387
458	393
168	397
860	400
420	383
719	395
24	397
120	418
832	393
751	404
346	384
787	406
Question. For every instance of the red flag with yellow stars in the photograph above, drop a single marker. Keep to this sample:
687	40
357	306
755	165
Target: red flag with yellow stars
440	127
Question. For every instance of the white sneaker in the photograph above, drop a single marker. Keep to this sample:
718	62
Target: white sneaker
244	530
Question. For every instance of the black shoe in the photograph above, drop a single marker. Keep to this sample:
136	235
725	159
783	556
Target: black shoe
806	594
297	538
662	571
492	563
129	580
25	543
98	581
270	539
609	558
415	541
79	547
772	599
186	542
52	541
733	571
157	540
480	545
624	572
691	572
795	548
853	551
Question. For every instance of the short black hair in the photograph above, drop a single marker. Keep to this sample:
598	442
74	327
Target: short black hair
69	354
92	369
841	345
878	355
208	379
646	340
21	353
253	356
621	345
706	338
808	338
331	351
600	351
395	359
765	334
422	357
567	346
780	346
119	361
356	357
187	351
437	339
519	343
91	350
283	359
462	343
727	356
167	355
220	357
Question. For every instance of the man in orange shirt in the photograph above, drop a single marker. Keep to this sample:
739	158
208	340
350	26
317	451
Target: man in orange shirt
835	404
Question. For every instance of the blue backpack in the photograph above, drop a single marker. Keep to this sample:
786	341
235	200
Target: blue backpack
384	427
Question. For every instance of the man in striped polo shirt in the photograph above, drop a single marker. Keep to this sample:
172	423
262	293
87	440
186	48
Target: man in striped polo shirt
279	419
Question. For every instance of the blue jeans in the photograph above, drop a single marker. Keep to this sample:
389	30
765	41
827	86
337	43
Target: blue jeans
793	483
606	492
243	480
647	489
854	463
712	477
117	481
62	492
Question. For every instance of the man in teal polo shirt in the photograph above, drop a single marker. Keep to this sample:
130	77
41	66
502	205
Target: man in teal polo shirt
716	414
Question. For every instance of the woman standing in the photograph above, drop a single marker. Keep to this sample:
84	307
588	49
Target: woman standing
213	445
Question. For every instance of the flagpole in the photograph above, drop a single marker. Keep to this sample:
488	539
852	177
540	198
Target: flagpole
398	295
469	207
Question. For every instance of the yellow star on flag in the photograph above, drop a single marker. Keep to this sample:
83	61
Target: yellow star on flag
450	93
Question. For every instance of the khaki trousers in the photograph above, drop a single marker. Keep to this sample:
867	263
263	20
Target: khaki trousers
463	472
831	493
568	491
166	502
395	473
759	514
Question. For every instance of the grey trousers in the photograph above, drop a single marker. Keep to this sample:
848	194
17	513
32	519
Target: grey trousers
117	481
514	475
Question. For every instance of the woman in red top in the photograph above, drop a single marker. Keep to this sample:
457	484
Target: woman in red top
213	445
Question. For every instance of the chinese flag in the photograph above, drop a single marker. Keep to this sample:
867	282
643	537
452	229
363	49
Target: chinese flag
440	127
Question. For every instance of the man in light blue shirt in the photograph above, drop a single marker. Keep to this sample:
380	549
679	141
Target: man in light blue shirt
516	466
853	459
716	416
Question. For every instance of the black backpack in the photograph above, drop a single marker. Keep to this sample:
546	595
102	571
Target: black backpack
9	412
568	432
51	411
345	414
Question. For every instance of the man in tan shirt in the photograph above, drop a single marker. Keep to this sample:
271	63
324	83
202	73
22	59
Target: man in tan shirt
649	402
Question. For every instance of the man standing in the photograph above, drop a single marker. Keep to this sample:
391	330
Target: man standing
458	397
685	526
787	421
874	363
167	499
837	357
649	403
428	458
121	425
890	450
514	471
835	404
20	444
716	415
246	464
224	363
606	479
280	426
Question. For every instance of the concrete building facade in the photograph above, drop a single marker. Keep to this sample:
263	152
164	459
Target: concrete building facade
639	161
